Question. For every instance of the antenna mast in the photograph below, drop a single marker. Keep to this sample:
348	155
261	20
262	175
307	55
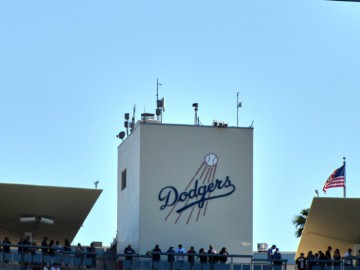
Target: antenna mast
160	103
238	105
133	120
158	112
196	118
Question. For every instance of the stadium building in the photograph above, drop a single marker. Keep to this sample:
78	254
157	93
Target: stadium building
185	184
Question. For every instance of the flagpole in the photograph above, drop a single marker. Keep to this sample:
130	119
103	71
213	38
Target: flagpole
344	177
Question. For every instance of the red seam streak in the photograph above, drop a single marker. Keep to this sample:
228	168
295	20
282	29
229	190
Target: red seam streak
209	170
203	171
198	215
185	190
212	181
194	176
190	215
207	173
179	215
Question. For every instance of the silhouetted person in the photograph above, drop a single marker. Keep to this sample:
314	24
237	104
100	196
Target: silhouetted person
301	262
129	251
156	256
224	254
171	256
191	258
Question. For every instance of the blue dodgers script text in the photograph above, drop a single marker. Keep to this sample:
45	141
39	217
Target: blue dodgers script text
170	195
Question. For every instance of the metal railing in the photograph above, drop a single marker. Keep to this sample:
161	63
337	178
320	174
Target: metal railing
33	255
345	263
213	262
354	264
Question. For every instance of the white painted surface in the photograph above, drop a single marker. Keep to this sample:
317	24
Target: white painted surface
159	155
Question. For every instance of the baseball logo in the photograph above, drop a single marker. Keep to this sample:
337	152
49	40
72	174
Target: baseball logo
211	159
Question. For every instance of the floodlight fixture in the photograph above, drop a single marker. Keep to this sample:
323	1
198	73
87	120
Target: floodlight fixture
47	220
158	112
27	219
96	184
196	118
159	103
121	135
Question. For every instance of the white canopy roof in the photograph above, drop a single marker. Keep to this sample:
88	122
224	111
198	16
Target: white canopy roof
331	222
67	207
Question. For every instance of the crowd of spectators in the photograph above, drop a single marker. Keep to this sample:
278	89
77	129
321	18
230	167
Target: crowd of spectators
326	259
47	248
274	255
180	254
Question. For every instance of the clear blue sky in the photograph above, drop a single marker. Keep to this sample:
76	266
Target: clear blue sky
70	69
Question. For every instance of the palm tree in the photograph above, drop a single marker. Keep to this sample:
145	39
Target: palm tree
299	221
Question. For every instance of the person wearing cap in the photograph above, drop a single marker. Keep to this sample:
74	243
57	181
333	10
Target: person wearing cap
301	262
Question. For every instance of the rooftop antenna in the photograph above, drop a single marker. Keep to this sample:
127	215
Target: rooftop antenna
160	103
158	111
163	108
196	119
132	124
126	123
238	105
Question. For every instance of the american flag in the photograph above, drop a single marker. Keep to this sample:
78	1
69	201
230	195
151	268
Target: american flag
336	179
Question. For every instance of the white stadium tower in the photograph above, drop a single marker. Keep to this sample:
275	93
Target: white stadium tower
185	184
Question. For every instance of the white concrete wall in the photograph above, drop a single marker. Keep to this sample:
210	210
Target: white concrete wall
170	155
128	201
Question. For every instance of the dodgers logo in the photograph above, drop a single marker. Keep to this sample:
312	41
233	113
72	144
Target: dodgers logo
202	188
